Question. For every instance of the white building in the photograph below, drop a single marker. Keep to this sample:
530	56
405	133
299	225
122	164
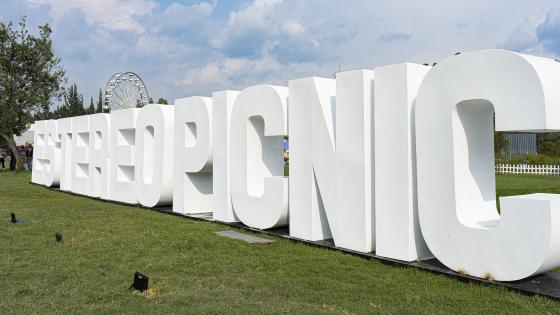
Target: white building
26	136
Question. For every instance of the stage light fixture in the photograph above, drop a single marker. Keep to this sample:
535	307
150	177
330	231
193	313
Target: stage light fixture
140	282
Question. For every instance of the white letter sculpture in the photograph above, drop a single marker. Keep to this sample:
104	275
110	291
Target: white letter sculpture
221	123
65	139
193	155
80	154
355	153
46	163
330	168
40	145
121	167
456	185
153	159
99	145
397	228
259	190
402	164
313	207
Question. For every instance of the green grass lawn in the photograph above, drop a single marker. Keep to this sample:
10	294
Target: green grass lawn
194	271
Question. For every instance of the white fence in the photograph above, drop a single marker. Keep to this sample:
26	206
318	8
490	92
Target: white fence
528	169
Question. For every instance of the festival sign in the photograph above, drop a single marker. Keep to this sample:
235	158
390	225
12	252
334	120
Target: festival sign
397	160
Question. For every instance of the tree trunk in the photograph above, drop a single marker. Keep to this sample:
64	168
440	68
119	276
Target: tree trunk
12	143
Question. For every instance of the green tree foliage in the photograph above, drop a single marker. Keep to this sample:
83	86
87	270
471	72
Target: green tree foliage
551	149
548	151
533	159
44	111
73	104
91	108
500	144
74	101
548	143
99	108
162	101
31	75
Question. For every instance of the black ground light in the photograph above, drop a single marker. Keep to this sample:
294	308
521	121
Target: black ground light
545	284
140	282
58	237
13	219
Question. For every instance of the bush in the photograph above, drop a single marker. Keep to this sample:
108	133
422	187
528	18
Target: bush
531	159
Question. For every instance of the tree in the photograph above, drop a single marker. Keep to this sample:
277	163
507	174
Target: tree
151	101
99	108
44	111
74	101
61	112
31	75
551	149
162	101
547	139
73	104
91	109
500	144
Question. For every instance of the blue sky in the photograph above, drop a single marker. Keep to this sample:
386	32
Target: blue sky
185	48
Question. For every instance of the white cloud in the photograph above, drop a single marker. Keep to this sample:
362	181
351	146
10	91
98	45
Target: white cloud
178	15
524	37
122	15
293	28
394	37
233	73
187	12
207	45
549	32
247	29
238	73
539	34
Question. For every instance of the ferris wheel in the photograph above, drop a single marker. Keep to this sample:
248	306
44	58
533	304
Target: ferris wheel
125	90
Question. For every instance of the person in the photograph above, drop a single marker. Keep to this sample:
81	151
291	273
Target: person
2	157
29	155
12	160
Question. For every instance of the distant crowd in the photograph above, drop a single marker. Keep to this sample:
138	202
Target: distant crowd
26	156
